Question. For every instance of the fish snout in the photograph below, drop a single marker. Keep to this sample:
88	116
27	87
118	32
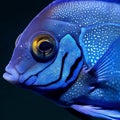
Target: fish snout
11	75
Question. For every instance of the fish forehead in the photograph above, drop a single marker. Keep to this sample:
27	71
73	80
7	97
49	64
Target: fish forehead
74	13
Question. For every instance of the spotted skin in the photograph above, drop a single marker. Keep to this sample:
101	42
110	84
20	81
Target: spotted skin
86	13
96	40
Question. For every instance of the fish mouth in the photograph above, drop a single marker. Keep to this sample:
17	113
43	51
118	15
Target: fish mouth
11	75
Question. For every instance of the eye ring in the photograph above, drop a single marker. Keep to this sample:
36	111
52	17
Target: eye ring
44	47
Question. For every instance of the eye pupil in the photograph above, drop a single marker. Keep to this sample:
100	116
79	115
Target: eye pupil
45	47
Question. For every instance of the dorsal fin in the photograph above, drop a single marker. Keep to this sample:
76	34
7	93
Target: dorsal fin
113	1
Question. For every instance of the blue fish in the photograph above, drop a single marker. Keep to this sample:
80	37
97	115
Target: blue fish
70	54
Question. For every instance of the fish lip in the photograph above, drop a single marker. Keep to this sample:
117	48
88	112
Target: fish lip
11	75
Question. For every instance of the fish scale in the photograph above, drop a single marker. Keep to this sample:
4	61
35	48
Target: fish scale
73	94
86	13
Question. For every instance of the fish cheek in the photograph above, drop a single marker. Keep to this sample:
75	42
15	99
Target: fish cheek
60	73
22	58
28	67
25	61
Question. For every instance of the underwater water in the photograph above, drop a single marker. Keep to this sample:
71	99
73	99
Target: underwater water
17	103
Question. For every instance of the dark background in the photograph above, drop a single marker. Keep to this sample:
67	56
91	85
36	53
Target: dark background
17	103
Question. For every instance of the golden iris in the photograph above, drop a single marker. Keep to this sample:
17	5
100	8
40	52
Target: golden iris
43	47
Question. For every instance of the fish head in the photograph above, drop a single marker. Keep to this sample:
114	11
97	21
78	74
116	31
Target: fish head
45	56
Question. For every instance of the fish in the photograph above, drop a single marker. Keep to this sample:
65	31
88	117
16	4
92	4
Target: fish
69	53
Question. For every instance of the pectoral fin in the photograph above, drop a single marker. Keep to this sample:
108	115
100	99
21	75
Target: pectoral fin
97	112
107	69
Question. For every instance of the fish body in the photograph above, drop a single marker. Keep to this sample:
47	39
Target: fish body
70	53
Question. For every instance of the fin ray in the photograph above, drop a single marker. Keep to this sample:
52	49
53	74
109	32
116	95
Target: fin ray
108	65
97	112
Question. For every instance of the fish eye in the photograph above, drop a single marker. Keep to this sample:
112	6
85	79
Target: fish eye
43	47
